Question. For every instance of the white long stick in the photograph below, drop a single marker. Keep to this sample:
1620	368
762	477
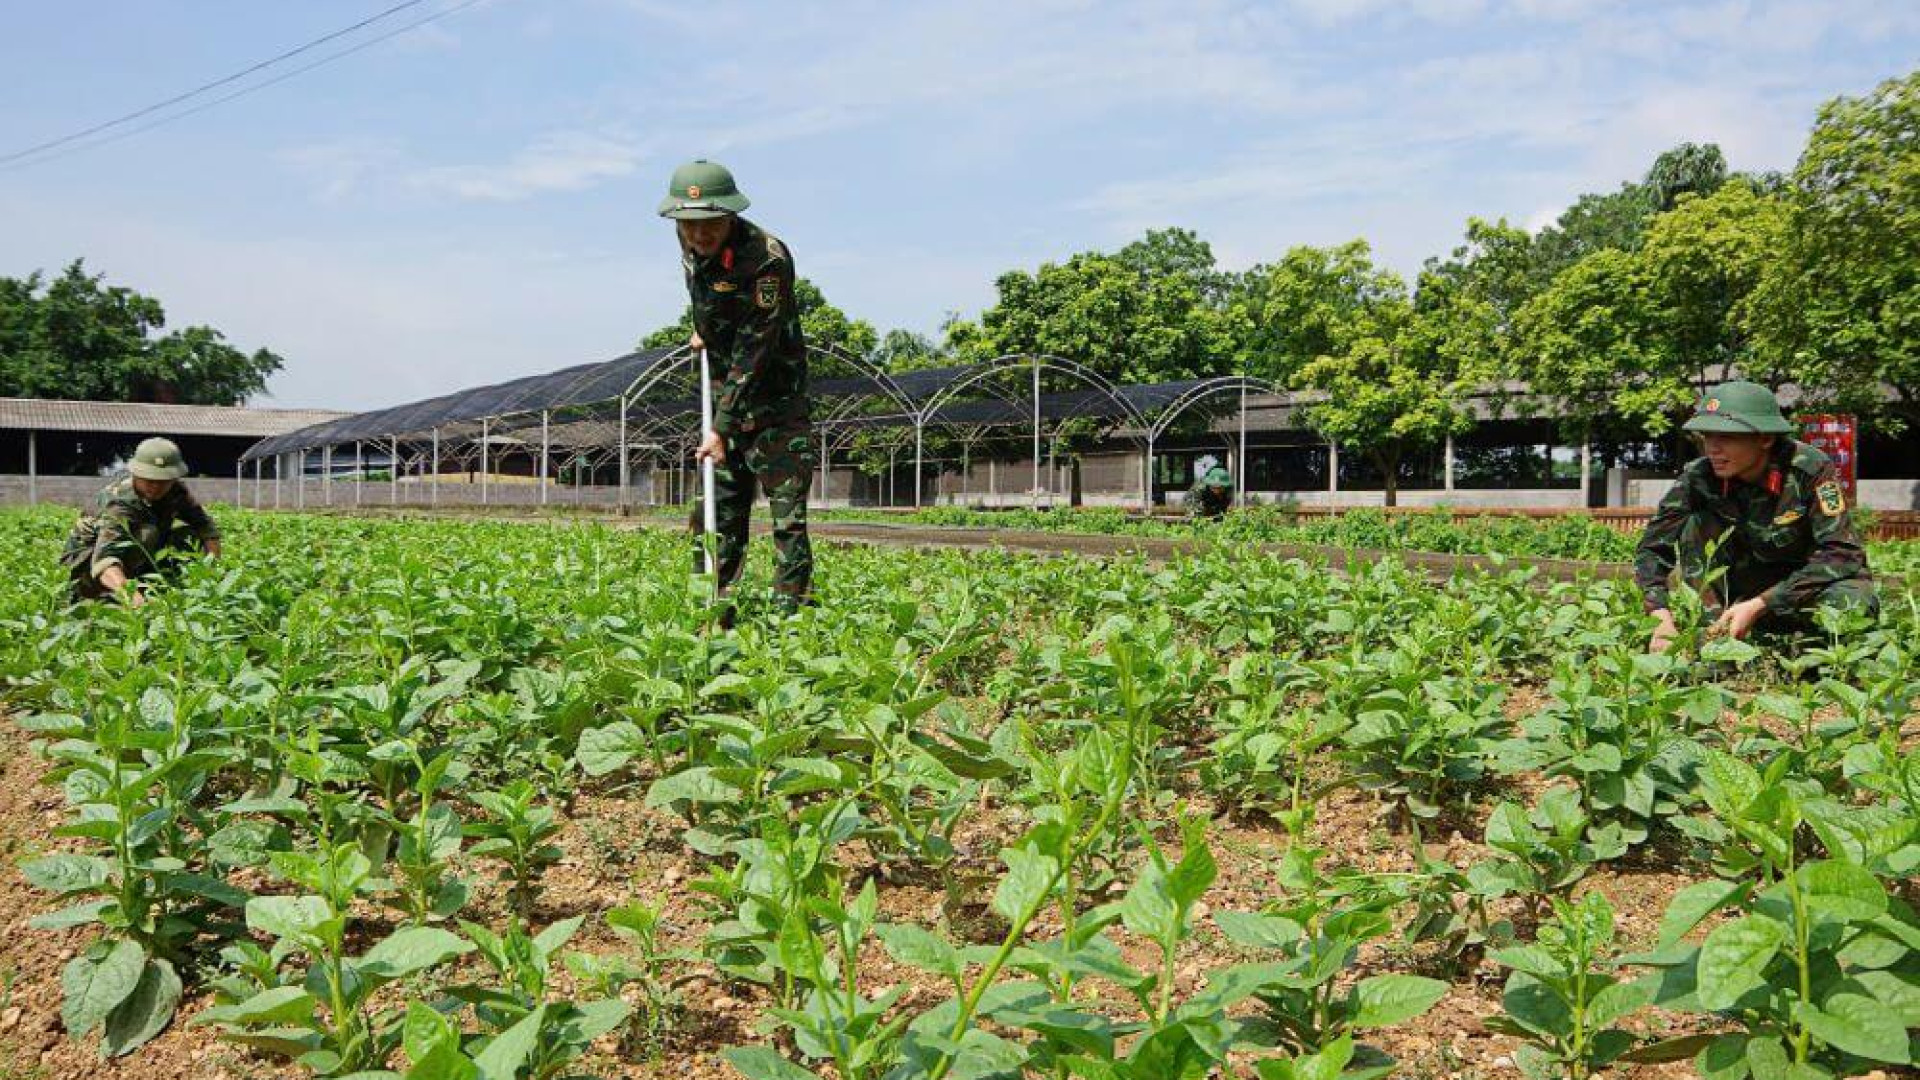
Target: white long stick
709	519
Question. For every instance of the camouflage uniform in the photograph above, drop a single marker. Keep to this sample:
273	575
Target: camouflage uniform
744	310
1211	495
126	530
1789	538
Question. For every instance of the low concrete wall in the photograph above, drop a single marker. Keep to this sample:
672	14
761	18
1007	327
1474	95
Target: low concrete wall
1873	494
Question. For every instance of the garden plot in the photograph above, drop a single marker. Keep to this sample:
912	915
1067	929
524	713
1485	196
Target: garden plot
447	799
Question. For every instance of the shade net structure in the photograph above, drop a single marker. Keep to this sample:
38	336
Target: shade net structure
622	430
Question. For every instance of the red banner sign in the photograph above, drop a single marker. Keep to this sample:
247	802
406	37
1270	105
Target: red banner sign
1836	436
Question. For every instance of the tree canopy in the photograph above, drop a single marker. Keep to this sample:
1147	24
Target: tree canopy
77	337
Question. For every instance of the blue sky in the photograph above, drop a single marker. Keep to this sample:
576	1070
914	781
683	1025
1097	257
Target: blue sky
474	200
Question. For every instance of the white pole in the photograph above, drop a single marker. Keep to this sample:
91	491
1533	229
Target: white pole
1146	479
709	513
1333	467
545	446
1586	472
1036	434
486	463
326	475
1240	465
257	489
33	468
393	491
359	471
1449	461
300	482
239	482
623	451
918	466
279	463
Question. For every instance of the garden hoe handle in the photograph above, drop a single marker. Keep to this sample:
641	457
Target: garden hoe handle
708	517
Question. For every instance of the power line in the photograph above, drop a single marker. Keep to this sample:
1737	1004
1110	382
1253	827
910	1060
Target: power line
14	160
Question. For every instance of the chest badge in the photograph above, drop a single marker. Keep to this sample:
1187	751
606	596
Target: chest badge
724	286
1788	518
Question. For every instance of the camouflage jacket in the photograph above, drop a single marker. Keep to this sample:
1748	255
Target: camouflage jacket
122	529
1787	538
1204	501
744	309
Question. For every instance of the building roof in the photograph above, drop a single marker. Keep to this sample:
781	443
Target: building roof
132	418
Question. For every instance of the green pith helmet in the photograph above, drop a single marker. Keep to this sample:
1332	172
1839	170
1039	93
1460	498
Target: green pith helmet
157	459
702	189
1739	408
1217	477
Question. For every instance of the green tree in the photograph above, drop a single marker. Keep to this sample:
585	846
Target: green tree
1616	221
1143	314
1702	261
76	337
905	350
1840	308
1314	302
824	325
1391	377
1687	169
1587	351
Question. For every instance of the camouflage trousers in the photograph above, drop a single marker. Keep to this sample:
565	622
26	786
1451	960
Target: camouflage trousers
779	461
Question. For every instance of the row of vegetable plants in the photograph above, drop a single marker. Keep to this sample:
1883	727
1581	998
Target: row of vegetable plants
318	788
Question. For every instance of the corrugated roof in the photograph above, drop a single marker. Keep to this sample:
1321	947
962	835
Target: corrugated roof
129	418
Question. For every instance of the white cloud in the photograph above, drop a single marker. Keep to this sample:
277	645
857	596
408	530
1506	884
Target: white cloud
337	169
560	161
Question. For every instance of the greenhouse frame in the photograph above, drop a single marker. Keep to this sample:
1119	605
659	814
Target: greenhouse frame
641	410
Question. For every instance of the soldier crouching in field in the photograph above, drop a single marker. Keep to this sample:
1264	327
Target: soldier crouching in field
1766	510
740	282
134	525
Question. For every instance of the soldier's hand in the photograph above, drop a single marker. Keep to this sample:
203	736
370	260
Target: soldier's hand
1738	619
213	549
696	342
1663	633
713	446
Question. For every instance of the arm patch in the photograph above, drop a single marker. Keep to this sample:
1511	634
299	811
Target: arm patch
1833	501
766	292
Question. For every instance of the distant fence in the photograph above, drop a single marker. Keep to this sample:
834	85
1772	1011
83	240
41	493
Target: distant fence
1628	520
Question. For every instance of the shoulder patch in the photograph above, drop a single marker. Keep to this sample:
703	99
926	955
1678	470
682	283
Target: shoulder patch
766	292
1833	501
776	249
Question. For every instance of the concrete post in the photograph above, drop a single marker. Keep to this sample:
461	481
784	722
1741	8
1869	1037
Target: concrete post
33	468
1447	467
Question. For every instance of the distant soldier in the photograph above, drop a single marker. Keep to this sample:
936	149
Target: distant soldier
1211	495
740	280
135	523
1775	514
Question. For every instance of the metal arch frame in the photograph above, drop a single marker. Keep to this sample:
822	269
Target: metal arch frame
1186	400
644	384
1037	362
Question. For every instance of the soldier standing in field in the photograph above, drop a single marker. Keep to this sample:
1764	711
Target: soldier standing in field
1211	495
740	283
133	524
1775	515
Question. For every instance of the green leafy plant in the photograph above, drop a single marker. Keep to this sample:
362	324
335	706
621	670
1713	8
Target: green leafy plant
516	831
1562	1000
